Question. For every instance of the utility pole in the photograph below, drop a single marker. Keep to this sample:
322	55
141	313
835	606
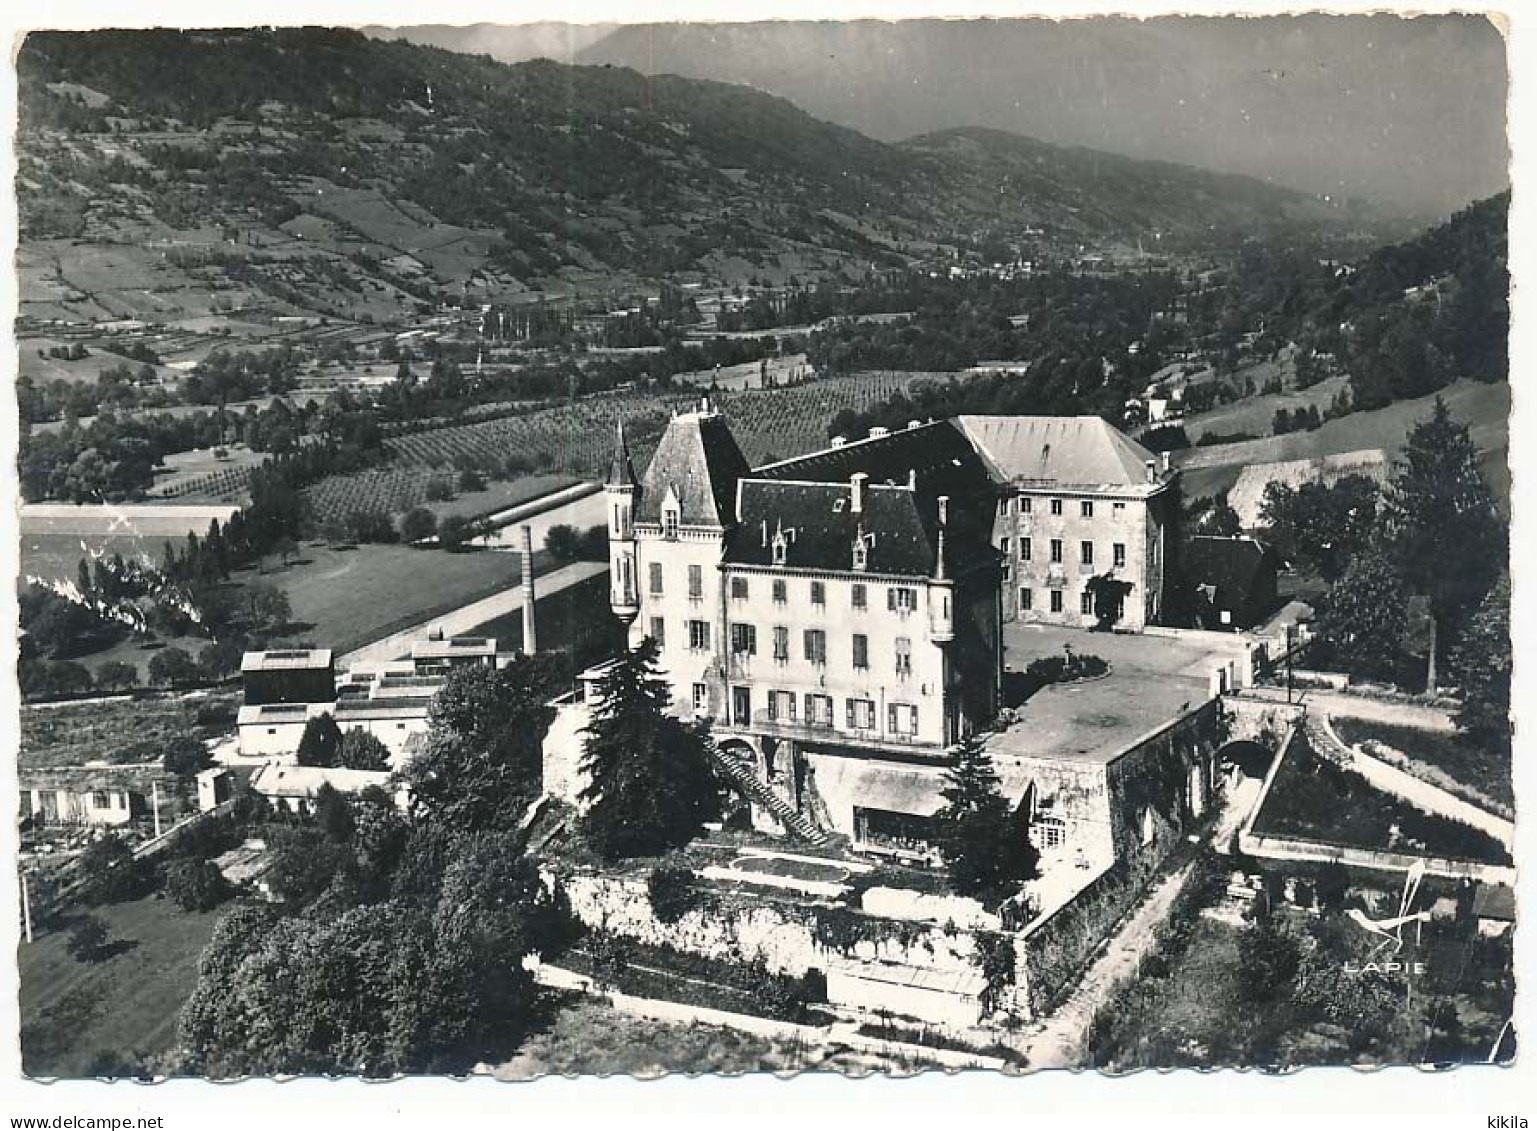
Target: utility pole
154	788
1290	630
26	907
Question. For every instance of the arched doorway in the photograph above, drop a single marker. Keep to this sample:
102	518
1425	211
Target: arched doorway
1246	758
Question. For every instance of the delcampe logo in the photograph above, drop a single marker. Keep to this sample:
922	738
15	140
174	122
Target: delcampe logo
1390	931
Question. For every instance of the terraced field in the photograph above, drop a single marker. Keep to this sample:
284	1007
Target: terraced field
578	438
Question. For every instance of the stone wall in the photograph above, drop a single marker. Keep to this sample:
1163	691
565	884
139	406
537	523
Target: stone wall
785	934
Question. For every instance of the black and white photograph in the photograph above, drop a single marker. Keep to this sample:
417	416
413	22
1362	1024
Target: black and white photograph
801	547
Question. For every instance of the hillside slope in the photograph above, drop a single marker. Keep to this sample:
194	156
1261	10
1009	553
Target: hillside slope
326	171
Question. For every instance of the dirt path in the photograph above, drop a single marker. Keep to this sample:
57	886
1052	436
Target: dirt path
1059	1041
1360	707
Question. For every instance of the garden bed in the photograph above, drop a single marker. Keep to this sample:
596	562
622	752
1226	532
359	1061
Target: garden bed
1314	800
1477	768
664	974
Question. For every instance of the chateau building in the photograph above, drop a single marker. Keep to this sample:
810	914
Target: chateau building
830	615
1084	528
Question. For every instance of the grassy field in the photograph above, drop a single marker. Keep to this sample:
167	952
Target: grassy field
1484	408
125	1007
1467	762
576	619
1256	415
342	599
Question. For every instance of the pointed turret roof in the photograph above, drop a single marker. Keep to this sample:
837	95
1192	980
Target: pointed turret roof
699	460
621	470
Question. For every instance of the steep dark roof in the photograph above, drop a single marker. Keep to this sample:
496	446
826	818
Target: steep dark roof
820	527
945	462
1231	565
699	461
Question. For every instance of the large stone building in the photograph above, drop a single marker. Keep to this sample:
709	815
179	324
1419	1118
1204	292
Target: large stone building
831	615
1084	527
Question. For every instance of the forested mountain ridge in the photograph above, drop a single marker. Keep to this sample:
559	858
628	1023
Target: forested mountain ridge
548	166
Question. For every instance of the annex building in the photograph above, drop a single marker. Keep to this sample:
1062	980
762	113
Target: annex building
1084	519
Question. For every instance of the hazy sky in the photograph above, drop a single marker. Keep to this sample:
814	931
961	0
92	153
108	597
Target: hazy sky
1408	113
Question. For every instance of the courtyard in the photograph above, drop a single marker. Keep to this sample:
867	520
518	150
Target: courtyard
1152	679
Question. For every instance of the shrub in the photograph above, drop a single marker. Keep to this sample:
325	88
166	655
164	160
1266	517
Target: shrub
471	480
672	892
172	666
418	524
196	885
111	873
454	531
87	939
185	755
1065	668
115	675
440	489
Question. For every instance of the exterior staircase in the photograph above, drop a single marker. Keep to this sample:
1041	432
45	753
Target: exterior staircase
746	782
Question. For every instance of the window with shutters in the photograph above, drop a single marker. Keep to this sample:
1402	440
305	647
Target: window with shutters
819	709
695	582
861	651
739	588
741	706
781	643
699	635
900	599
861	714
857	595
904	656
1056	549
659	631
819	593
656	579
1025	549
779	591
744	640
1086	553
816	645
902	718
781	706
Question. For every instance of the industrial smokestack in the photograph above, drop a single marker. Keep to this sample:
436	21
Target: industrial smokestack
530	631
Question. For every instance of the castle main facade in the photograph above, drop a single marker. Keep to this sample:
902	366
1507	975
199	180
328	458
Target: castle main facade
837	618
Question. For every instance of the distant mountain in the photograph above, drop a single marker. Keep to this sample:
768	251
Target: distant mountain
1399	111
506	43
421	168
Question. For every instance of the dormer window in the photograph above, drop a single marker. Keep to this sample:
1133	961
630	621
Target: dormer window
861	554
670	522
780	548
